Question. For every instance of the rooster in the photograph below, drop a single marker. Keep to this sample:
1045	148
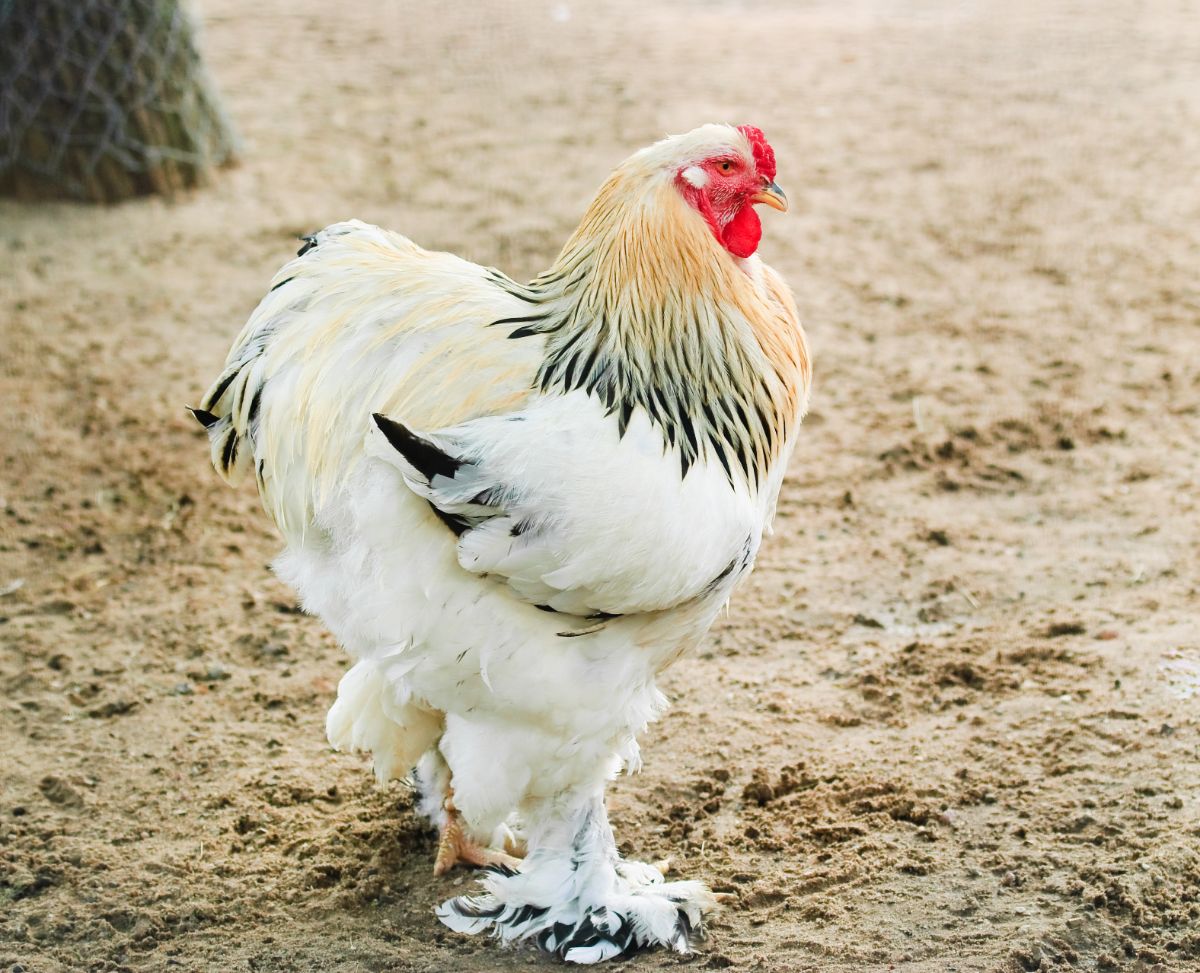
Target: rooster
516	504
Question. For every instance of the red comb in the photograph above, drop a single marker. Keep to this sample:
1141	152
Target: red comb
764	155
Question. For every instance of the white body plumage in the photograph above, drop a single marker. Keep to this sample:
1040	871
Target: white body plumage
510	563
613	529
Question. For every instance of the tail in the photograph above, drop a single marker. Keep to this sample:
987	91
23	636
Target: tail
229	409
328	345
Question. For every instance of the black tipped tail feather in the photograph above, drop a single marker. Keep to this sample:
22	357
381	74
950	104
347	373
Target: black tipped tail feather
202	416
220	413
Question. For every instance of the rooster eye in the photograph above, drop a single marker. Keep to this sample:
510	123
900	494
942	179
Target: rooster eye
726	166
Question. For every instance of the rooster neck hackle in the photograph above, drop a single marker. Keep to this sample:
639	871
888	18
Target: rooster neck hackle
643	309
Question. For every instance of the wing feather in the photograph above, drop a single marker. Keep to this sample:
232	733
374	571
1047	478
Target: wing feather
361	321
569	514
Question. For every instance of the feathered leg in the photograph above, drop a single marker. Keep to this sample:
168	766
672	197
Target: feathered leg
576	898
455	846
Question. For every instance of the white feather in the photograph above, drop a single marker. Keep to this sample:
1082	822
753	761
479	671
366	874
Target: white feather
518	663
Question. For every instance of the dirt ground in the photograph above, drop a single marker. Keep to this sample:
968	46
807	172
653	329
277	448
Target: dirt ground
952	723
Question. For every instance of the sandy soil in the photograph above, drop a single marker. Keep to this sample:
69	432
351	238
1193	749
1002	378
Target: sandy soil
952	722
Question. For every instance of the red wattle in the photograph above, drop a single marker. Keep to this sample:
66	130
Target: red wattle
743	232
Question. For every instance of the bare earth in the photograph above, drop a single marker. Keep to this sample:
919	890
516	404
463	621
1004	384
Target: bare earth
953	721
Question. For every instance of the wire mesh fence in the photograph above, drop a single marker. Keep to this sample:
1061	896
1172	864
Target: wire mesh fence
101	100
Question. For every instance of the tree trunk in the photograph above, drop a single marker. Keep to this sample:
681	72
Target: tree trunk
101	100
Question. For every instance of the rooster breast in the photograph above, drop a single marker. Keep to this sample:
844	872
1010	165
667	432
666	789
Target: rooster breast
577	516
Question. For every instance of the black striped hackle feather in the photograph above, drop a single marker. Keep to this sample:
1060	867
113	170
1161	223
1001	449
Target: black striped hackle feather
686	367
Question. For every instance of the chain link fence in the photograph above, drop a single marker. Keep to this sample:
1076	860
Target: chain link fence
101	100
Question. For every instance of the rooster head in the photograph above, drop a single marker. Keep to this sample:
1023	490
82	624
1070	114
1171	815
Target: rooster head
649	302
722	172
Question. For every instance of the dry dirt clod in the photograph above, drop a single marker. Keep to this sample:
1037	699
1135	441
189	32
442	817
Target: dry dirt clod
58	791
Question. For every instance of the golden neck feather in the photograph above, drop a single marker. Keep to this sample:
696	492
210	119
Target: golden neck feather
644	309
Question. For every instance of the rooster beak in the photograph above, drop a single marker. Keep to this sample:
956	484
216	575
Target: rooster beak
772	195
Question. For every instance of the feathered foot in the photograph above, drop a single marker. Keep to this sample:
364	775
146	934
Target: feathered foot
455	847
578	900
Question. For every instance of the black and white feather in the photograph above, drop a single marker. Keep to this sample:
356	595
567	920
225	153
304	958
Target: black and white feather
515	506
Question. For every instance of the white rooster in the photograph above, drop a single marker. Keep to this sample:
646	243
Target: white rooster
516	504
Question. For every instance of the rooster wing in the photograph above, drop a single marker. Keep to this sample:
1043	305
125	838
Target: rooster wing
543	491
572	516
362	320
